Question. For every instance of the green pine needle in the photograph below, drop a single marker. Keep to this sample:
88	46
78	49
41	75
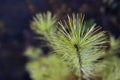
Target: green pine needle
112	71
44	23
112	61
33	53
114	45
48	68
80	46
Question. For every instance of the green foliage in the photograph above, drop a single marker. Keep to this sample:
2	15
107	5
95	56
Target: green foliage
112	70
47	67
114	45
33	53
44	24
80	45
77	44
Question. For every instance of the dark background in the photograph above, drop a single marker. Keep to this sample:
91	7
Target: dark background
16	35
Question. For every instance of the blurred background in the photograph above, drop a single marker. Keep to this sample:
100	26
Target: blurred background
16	34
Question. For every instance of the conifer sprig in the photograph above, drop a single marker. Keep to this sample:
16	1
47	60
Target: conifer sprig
81	46
44	23
49	67
112	71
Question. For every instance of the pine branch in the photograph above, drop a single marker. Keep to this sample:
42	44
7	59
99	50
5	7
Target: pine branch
49	67
44	24
79	45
